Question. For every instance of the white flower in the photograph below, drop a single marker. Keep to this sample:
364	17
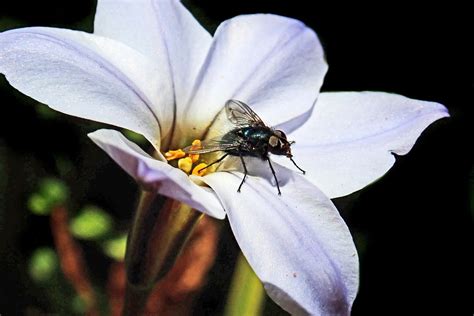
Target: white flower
151	68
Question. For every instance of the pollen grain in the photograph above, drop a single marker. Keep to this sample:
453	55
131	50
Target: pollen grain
174	154
196	144
185	164
200	169
188	160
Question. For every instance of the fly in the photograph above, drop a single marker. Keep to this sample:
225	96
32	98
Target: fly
250	137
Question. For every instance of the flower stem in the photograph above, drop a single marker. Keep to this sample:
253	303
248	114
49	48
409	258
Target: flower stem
160	230
72	259
246	296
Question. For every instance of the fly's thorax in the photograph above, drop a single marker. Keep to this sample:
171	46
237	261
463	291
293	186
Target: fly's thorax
257	134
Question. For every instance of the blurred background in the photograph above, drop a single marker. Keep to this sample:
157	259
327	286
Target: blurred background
413	228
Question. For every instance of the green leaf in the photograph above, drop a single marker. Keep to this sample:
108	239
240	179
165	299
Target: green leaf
38	205
45	112
135	137
91	223
246	296
115	248
43	264
78	305
54	190
51	192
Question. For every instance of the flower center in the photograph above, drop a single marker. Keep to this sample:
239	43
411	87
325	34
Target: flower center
188	161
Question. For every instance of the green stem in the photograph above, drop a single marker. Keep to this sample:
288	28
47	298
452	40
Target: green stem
160	231
247	295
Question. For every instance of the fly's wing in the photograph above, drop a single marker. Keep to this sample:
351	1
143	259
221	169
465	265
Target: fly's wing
240	114
211	145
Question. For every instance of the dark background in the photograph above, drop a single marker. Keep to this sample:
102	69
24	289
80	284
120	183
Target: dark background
413	228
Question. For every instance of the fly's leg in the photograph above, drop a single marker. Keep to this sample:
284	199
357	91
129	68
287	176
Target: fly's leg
304	172
274	175
245	171
218	160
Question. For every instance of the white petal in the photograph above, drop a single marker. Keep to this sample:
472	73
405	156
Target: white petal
297	243
350	138
163	30
156	174
88	76
274	64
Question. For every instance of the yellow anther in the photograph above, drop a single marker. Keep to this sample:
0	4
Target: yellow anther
200	169
174	154
195	145
185	164
194	157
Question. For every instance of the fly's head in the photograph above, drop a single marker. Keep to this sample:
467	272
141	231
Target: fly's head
279	145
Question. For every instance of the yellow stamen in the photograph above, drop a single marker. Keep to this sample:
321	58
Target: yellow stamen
199	169
185	164
174	154
196	144
187	160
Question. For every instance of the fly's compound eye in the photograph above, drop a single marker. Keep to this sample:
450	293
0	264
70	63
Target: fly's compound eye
273	141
